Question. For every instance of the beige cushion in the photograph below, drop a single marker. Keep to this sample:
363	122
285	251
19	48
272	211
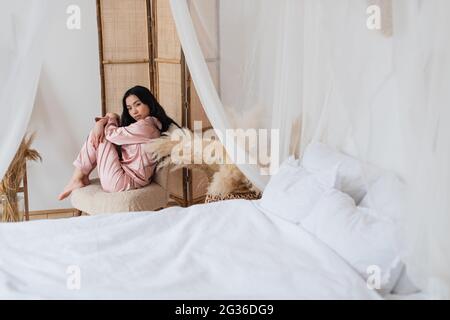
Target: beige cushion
93	200
161	177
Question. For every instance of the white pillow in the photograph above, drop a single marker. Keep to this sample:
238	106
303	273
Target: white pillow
358	235
319	157
292	192
404	285
385	195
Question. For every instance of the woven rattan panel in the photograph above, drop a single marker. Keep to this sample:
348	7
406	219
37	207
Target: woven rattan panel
169	77
124	30
125	48
199	183
168	45
121	77
169	89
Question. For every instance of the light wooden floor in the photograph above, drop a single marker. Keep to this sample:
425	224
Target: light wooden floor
69	213
52	214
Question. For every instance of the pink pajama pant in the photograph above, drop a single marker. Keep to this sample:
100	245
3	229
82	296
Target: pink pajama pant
112	176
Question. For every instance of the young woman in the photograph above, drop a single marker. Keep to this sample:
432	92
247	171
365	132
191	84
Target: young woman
115	147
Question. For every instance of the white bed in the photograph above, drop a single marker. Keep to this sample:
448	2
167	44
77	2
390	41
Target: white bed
223	250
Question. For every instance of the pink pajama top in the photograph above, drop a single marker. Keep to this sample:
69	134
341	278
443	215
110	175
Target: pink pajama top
135	162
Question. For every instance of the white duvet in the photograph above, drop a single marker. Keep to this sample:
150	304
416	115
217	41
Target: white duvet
223	250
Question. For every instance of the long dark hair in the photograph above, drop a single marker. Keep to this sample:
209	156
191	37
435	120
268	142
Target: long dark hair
147	98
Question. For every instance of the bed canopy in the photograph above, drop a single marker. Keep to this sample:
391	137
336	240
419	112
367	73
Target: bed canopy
369	77
307	70
23	27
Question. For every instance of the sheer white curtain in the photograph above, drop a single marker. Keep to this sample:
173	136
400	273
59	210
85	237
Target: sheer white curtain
235	63
421	57
388	107
22	34
315	67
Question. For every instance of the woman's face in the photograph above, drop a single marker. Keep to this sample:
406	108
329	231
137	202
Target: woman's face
136	108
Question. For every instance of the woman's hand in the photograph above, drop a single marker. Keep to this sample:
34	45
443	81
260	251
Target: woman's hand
98	133
112	115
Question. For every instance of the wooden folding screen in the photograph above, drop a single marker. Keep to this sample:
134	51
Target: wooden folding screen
138	45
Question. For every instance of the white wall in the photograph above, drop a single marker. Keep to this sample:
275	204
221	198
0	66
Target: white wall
67	101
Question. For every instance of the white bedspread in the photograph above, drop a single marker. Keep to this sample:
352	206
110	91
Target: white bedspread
223	250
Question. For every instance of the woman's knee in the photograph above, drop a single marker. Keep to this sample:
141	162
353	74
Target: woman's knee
112	185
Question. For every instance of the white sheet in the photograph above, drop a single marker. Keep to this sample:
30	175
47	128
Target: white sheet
223	250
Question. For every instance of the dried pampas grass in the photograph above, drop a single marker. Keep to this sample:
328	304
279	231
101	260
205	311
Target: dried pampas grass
224	178
10	185
229	179
187	156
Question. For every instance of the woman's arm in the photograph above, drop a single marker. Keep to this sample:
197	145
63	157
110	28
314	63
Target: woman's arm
139	132
112	115
107	116
98	132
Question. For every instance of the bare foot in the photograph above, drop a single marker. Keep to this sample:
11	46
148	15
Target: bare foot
73	184
86	181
